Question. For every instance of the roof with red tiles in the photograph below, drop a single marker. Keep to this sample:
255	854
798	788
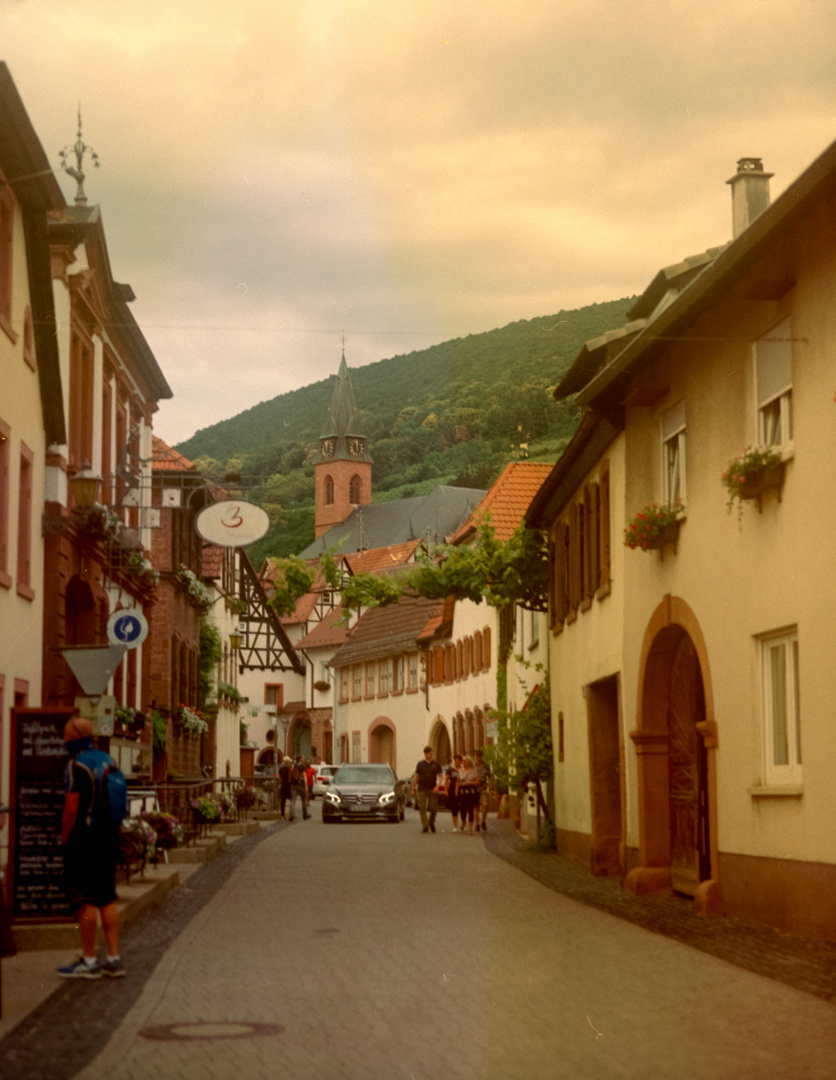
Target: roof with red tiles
383	558
211	560
328	632
508	499
384	631
165	458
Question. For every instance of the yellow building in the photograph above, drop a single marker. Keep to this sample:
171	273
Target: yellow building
693	693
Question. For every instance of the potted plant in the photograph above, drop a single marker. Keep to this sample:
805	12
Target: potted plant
654	526
752	473
322	686
192	720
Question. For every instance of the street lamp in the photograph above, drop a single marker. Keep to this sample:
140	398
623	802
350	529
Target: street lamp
85	486
235	638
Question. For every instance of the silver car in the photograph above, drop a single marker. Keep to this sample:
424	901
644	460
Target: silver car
362	792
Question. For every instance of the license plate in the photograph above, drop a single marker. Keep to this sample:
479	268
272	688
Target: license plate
358	809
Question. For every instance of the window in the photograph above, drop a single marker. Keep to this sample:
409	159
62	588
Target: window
773	384
673	455
781	708
354	490
371	679
274	694
385	670
24	524
343	686
398	675
5	454
357	682
579	550
533	628
29	340
412	684
329	490
81	402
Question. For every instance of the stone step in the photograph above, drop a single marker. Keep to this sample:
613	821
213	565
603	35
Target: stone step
238	828
206	848
132	901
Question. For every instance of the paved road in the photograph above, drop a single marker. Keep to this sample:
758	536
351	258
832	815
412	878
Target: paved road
374	952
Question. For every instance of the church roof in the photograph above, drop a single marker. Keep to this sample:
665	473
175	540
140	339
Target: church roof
431	518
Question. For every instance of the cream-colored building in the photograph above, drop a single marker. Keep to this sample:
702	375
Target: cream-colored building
713	658
31	415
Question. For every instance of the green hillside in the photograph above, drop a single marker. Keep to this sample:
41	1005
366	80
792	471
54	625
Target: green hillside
455	413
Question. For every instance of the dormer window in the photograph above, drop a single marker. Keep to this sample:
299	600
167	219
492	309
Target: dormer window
773	385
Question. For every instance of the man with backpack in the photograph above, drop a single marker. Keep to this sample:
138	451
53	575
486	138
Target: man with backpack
298	787
95	802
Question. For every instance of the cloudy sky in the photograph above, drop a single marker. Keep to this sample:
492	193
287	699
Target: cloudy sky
276	172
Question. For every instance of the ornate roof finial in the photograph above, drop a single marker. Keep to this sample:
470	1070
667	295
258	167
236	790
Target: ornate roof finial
79	148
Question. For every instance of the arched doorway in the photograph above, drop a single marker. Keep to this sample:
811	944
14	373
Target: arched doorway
300	736
382	742
676	742
440	742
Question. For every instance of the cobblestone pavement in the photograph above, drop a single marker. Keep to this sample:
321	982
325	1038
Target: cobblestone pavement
363	951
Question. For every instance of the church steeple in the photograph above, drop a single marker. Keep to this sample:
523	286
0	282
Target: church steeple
342	438
343	469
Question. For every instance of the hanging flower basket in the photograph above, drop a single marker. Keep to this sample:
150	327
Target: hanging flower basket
754	472
322	686
654	526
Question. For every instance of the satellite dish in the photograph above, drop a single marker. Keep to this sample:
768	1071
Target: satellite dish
232	523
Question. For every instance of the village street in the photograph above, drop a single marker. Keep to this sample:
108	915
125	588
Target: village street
366	951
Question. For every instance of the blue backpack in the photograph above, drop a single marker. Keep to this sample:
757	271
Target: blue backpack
110	799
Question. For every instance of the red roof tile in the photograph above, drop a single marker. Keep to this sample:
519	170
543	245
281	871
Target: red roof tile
327	632
508	499
166	459
384	558
212	560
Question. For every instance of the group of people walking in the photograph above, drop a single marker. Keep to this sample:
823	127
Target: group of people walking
296	779
466	784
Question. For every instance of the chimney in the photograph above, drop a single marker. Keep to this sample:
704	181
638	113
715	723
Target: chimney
750	193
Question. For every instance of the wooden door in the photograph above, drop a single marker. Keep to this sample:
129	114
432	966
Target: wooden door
688	795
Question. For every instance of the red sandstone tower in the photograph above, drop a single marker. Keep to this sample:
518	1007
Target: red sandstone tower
344	468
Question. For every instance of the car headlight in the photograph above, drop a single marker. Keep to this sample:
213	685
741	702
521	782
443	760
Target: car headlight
332	797
388	797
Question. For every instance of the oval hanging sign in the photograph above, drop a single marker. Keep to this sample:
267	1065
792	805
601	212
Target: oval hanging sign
232	523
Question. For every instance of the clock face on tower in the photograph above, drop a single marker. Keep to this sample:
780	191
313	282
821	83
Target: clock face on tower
355	447
328	447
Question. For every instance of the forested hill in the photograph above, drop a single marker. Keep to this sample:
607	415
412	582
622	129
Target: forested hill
454	413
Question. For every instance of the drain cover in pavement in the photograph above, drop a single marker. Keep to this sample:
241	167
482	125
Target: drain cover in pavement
202	1029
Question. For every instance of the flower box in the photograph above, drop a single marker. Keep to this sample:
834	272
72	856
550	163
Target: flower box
668	534
767	478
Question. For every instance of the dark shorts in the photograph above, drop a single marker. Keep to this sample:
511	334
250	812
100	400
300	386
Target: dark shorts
90	867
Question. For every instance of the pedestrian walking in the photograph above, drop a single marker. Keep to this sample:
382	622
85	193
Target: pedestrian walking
91	851
425	780
298	787
468	793
451	786
483	769
284	785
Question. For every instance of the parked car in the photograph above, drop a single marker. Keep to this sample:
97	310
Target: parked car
362	792
322	779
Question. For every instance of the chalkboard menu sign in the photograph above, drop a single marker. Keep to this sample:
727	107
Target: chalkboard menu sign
38	760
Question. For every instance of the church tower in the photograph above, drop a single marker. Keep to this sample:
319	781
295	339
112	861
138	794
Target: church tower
343	470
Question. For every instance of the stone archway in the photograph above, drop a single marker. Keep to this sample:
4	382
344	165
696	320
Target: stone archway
441	742
676	743
382	747
299	736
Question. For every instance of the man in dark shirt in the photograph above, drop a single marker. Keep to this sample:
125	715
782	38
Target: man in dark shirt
90	854
425	779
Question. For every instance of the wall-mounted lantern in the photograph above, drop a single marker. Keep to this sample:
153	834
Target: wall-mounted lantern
85	486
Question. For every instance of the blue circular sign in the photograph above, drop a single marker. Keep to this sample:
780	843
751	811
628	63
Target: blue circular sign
128	628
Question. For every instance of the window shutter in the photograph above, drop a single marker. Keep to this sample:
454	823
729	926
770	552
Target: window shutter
773	361
594	560
604	525
673	420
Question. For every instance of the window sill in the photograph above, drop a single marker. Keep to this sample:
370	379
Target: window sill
412	690
586	604
777	791
397	693
5	580
368	697
604	590
26	591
